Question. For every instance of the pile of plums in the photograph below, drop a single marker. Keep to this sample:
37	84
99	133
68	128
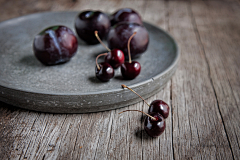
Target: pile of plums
58	44
158	111
116	28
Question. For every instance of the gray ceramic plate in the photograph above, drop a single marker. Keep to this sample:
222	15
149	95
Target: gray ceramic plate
72	87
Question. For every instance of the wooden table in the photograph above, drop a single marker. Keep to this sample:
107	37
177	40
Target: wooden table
204	93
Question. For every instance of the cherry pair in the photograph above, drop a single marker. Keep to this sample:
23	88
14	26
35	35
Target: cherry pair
114	59
158	111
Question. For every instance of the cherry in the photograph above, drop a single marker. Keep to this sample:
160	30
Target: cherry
154	123
104	71
89	21
158	106
125	15
130	69
120	33
55	45
114	57
154	127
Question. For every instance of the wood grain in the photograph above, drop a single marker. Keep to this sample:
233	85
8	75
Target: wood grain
204	94
193	94
218	34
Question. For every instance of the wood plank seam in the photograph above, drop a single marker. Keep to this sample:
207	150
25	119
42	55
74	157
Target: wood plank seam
166	4
110	135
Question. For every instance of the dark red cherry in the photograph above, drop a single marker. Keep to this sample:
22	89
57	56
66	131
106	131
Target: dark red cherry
130	70
157	106
104	71
55	45
125	15
154	123
154	127
160	107
115	58
119	35
89	21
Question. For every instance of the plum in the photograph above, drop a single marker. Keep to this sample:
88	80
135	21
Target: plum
55	45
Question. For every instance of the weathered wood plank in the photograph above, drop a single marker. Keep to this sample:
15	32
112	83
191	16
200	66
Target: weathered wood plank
105	133
48	138
160	9
118	146
135	131
91	135
198	128
62	145
8	117
14	9
219	34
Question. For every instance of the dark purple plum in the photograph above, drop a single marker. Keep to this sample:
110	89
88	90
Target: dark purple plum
119	35
87	22
125	15
154	127
55	45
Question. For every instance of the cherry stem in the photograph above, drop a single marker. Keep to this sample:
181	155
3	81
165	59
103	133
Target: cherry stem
103	54
124	86
96	34
128	45
141	112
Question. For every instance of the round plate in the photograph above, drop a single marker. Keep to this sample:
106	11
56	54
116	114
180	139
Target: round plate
72	87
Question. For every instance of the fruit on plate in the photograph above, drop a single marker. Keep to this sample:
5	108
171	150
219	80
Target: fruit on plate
89	21
55	45
130	69
104	71
120	33
125	15
114	57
